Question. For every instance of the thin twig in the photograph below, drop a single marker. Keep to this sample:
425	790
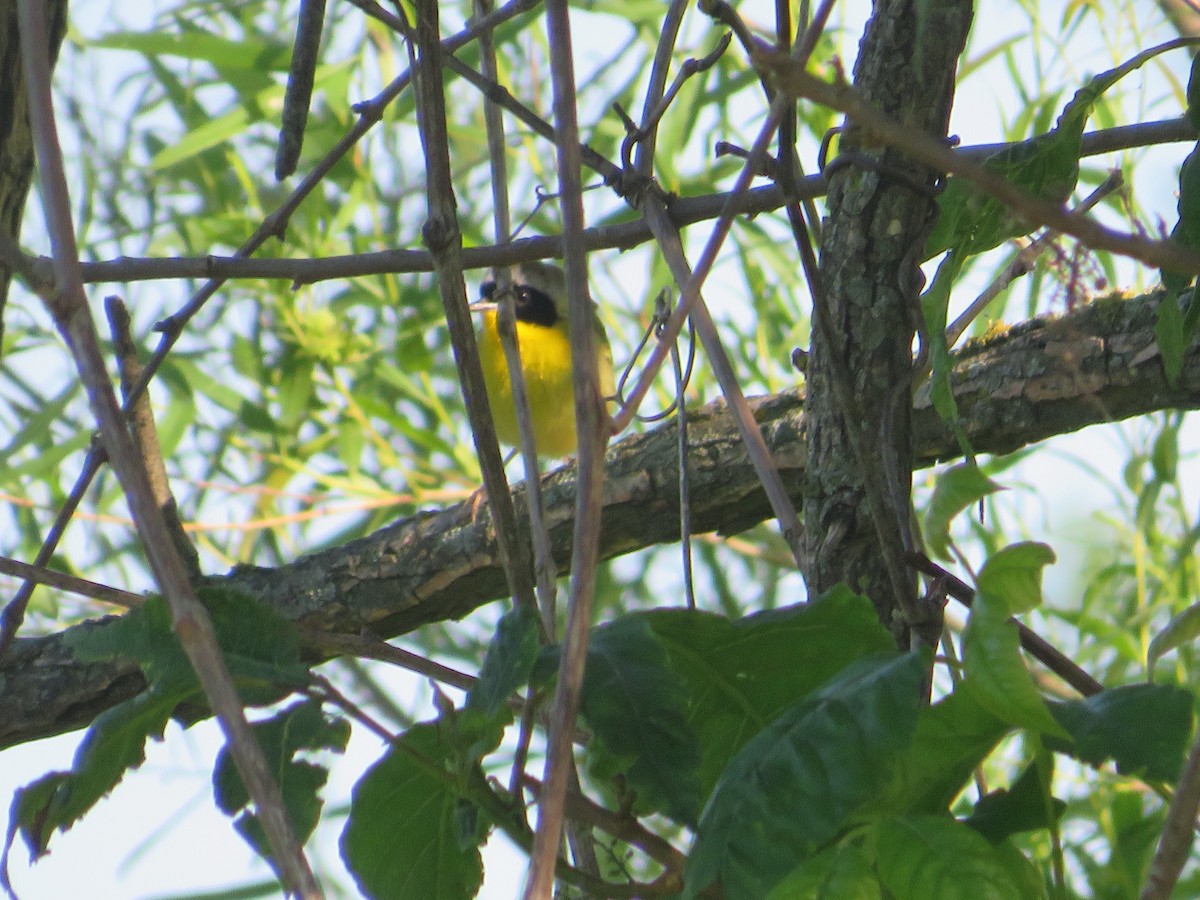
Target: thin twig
797	82
1037	647
444	240
1178	834
145	432
70	583
591	423
506	327
691	303
71	314
1022	263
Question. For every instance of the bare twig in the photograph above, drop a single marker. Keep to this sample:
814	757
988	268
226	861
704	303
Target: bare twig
70	583
145	433
796	82
591	423
71	314
444	240
1037	647
1178	834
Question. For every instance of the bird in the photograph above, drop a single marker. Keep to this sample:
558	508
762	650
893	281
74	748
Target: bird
540	304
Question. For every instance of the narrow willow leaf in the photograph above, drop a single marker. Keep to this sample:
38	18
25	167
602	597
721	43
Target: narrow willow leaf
1183	628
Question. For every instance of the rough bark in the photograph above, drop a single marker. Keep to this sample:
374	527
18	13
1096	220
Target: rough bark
1042	378
879	210
16	142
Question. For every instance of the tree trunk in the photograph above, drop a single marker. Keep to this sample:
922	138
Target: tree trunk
879	211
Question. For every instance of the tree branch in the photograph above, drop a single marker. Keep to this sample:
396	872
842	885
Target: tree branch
1042	378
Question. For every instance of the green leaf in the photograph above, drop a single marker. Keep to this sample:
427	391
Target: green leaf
509	660
740	675
1012	577
953	738
637	709
1046	167
261	650
114	744
995	672
300	727
1024	806
843	872
935	304
935	856
793	787
1187	226
253	56
1193	93
296	384
956	489
1183	628
402	837
1169	330
1144	728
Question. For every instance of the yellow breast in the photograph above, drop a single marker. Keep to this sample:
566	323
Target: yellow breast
546	360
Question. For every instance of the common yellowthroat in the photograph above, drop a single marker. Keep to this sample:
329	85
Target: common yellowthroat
540	304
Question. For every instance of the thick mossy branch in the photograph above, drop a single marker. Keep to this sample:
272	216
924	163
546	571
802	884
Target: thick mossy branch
1041	378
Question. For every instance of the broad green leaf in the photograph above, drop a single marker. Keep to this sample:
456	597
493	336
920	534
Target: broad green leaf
956	489
921	857
260	648
953	738
843	872
300	728
114	744
637	709
1012	577
1024	806
740	675
1144	728
510	658
1183	629
402	836
793	787
996	673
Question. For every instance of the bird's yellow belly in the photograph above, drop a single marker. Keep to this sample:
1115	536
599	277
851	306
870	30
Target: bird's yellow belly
546	359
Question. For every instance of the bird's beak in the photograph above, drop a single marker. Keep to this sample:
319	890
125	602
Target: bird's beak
484	306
